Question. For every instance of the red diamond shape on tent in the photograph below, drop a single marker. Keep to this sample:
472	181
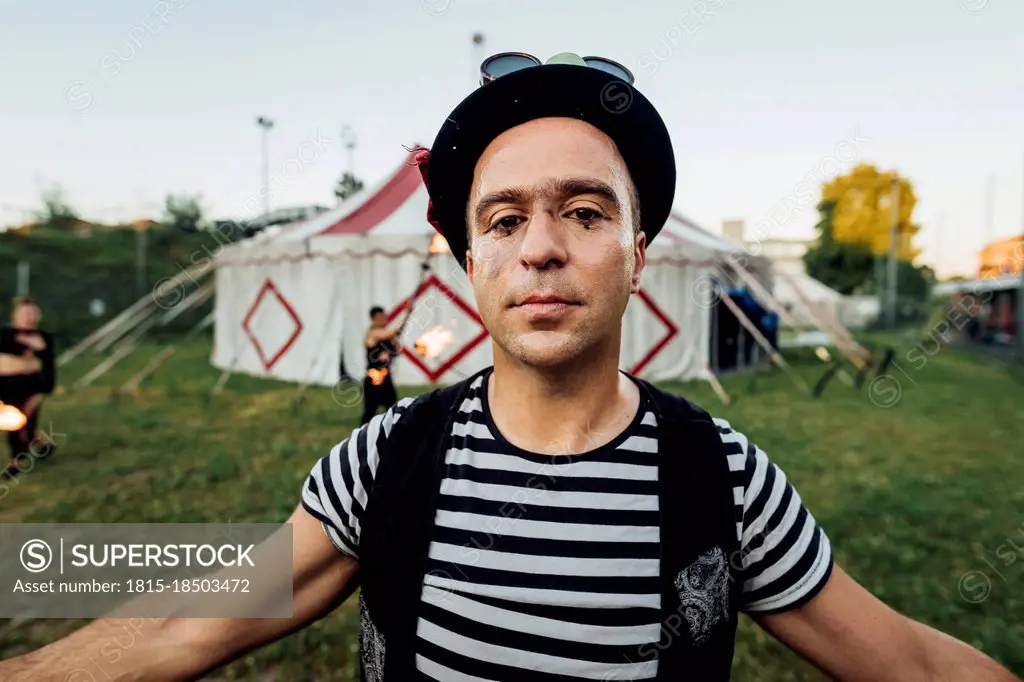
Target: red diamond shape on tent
268	292
669	325
435	374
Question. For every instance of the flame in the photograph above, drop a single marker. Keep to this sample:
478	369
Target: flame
438	244
433	341
377	375
11	418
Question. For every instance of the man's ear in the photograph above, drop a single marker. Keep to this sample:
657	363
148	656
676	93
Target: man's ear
469	264
640	260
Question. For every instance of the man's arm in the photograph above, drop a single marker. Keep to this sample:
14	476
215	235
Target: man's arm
792	588
383	334
853	637
175	649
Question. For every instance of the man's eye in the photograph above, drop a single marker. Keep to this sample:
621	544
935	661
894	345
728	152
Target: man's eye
585	215
506	223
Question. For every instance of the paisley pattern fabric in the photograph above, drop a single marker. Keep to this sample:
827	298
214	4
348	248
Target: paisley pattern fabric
704	593
371	646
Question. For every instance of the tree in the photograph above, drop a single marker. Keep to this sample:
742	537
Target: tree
347	186
852	268
862	210
912	282
847	268
183	211
57	213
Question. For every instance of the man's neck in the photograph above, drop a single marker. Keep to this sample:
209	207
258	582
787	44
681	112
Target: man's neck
565	410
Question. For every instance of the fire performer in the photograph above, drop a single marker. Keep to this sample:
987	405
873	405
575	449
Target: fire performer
26	374
381	349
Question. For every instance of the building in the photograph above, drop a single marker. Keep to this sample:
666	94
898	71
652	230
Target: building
1002	257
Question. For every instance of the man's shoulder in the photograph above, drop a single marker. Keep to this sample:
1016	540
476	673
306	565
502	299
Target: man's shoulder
673	405
734	442
438	402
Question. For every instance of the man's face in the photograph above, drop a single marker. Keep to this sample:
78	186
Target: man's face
25	316
379	319
554	254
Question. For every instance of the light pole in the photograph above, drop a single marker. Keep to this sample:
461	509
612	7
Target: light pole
893	253
1020	295
266	124
348	138
477	58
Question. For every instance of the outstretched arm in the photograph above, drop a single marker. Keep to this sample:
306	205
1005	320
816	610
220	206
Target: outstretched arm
173	649
793	589
853	637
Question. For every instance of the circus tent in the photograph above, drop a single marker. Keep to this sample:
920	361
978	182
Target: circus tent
293	303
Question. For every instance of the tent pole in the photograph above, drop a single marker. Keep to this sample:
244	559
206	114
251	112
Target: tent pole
158	359
130	324
716	385
844	340
783	314
128	343
222	380
83	345
123	329
775	356
767	298
131	311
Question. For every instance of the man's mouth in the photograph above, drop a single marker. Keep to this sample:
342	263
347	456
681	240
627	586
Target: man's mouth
545	308
540	300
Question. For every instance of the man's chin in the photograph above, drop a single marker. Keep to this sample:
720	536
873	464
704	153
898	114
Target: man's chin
545	349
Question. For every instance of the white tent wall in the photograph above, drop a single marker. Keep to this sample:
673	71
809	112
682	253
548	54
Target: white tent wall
386	271
332	281
311	288
679	289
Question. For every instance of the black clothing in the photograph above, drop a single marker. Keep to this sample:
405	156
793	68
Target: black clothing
16	389
27	384
384	395
20	441
696	558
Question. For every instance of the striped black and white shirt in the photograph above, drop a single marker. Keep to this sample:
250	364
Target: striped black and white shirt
549	564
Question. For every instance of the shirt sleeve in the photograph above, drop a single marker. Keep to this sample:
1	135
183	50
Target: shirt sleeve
785	558
338	486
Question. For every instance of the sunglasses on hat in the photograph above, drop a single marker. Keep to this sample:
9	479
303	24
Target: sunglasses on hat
504	63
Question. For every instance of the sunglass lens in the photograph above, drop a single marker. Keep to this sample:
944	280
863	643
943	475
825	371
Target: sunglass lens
506	64
609	67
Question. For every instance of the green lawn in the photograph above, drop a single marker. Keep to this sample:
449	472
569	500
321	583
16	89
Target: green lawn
913	495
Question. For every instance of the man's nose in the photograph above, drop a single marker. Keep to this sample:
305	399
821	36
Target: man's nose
543	245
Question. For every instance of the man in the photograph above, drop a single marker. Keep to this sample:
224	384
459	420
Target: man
27	373
381	348
552	191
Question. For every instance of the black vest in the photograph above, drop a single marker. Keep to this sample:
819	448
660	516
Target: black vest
699	596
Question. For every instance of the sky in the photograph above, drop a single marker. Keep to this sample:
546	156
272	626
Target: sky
124	101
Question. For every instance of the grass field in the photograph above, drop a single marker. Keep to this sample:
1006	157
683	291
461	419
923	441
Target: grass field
914	495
